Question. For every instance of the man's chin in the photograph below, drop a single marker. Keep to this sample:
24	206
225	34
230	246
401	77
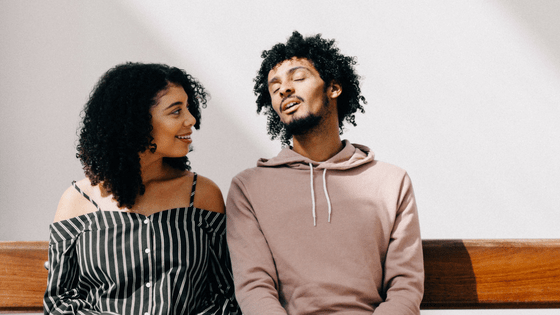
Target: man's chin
302	125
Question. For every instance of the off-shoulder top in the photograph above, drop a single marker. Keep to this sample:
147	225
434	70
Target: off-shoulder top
111	262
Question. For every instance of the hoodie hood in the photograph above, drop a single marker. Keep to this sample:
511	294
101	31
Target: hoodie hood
351	156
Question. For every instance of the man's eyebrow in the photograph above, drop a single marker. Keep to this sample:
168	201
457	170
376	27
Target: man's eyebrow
274	79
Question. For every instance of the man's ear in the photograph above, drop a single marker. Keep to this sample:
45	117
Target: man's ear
334	90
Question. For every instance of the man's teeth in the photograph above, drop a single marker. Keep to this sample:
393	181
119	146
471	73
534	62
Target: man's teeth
291	104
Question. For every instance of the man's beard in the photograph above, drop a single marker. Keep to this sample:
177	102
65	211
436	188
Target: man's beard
304	125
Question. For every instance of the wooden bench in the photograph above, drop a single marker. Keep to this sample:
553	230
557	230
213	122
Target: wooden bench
23	277
460	274
491	274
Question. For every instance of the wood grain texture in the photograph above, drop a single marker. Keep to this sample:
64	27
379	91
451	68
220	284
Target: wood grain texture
23	277
488	274
460	274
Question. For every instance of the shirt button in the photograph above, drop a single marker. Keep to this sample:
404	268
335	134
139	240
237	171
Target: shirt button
146	221
146	313
147	250
148	285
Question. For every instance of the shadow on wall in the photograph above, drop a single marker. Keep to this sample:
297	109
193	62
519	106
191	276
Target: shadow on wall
95	38
541	19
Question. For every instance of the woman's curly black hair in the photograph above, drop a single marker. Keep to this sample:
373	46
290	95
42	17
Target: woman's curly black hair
117	125
331	65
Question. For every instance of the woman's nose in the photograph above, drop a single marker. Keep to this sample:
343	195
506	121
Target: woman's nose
189	120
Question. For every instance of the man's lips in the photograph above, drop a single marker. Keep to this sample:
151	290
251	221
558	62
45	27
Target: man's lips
290	102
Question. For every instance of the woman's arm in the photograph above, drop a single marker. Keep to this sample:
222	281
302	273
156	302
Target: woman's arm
62	295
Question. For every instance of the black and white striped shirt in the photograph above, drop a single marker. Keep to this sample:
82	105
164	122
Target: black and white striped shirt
171	262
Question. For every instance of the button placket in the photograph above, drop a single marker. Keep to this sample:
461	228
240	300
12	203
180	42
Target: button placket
147	250
148	285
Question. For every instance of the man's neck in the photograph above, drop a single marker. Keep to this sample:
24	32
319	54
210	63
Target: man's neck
323	141
318	147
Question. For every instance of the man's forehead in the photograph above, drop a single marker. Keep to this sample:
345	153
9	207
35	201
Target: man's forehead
290	63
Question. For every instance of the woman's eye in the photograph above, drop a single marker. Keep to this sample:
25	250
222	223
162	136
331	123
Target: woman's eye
176	112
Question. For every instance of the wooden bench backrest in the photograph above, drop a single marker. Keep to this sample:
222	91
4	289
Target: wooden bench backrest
23	277
489	274
460	274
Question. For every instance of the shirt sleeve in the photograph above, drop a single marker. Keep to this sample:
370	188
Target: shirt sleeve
403	280
62	295
221	279
254	271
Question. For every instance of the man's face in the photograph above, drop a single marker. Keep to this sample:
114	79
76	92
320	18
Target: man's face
298	95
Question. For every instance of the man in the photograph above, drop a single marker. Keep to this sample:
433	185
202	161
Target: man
323	227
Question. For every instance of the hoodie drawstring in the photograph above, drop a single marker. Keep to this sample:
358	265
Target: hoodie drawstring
314	211
313	195
327	193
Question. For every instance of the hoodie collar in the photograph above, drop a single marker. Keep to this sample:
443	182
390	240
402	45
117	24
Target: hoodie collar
351	156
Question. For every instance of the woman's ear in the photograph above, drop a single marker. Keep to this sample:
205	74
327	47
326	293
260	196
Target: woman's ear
334	90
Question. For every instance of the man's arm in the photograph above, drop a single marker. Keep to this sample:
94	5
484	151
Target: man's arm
254	271
403	280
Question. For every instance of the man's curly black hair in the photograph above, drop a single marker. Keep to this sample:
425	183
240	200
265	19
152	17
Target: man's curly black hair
331	65
117	125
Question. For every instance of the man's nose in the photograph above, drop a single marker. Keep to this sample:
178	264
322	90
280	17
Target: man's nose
286	90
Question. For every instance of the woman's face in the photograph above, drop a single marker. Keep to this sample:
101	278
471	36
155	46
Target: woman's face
172	122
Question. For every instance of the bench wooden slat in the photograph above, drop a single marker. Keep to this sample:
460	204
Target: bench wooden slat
489	274
23	277
460	274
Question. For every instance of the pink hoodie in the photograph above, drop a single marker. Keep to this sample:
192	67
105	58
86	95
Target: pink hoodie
340	236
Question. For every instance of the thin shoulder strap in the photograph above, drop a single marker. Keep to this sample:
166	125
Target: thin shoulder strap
191	204
85	195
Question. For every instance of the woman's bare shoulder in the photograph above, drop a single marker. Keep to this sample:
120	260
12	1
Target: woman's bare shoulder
72	204
208	195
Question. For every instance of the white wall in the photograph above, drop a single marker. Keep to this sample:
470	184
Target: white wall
465	95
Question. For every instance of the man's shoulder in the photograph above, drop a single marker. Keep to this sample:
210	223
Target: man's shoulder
251	173
388	167
384	171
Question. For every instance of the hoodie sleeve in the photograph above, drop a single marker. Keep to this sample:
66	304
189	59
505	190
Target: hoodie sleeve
403	280
254	271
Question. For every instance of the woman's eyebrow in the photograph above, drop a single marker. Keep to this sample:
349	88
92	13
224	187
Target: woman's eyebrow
174	104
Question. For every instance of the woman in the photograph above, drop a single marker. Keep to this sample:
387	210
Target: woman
141	234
